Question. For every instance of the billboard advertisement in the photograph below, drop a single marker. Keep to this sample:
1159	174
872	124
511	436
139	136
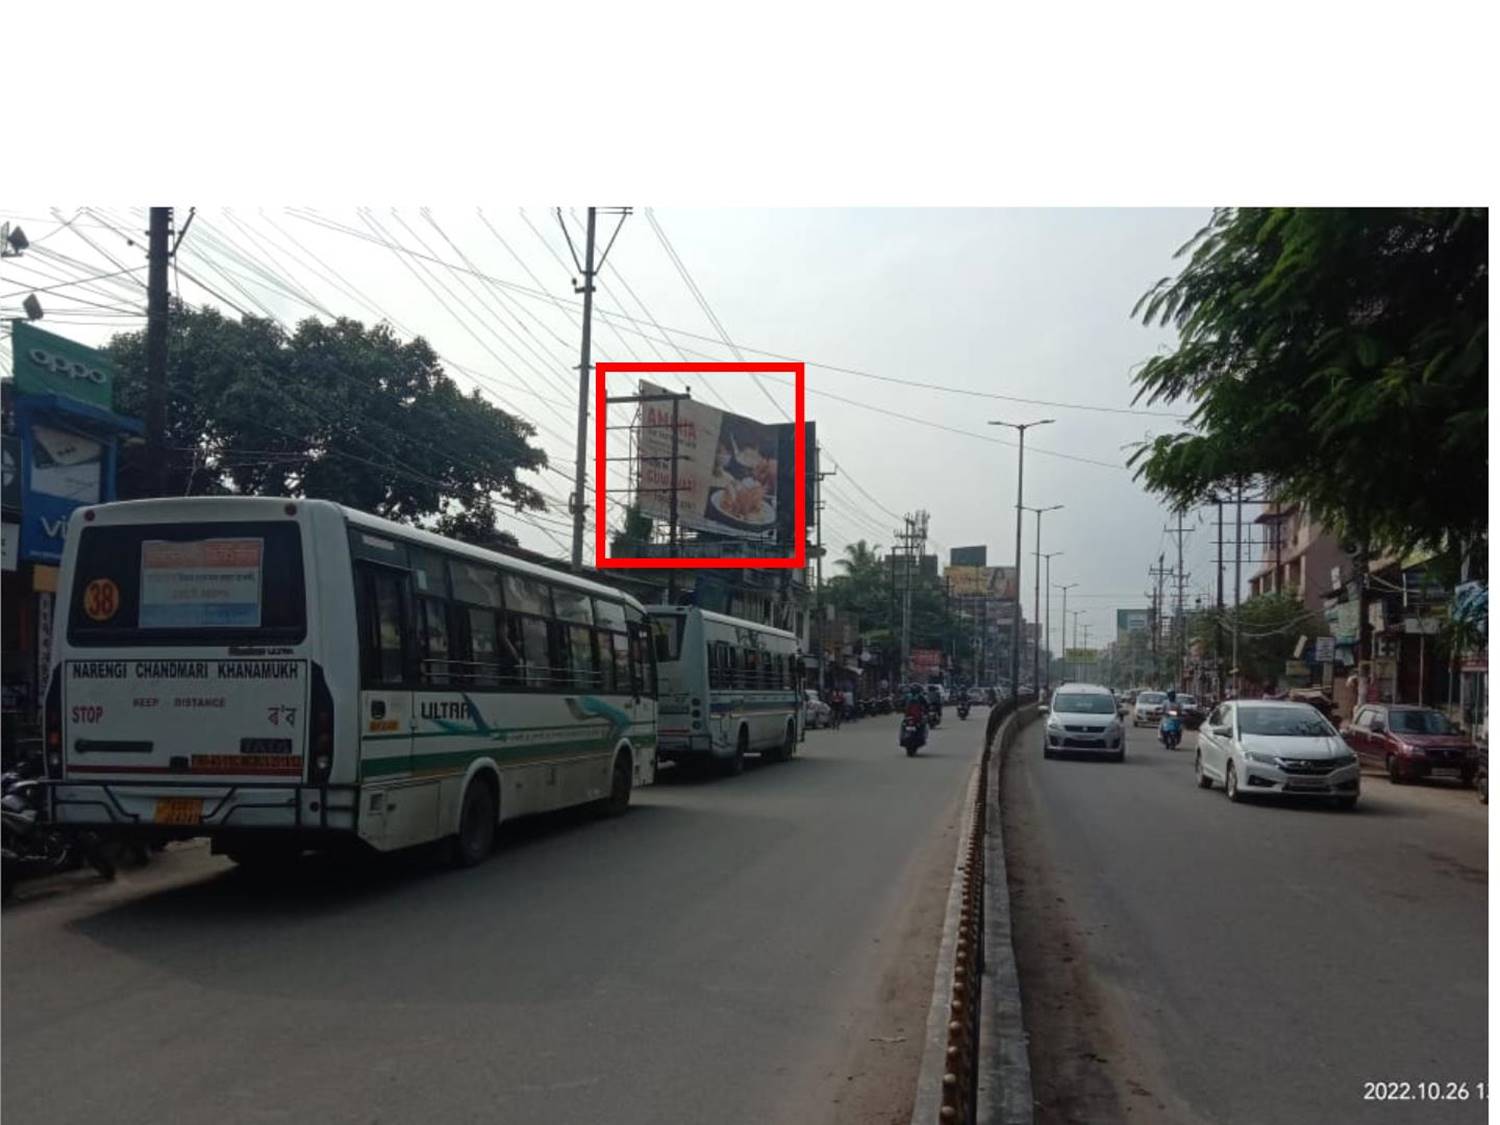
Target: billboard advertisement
1129	621
728	476
981	581
734	474
969	556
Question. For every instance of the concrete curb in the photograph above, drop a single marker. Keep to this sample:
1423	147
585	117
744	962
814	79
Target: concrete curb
929	1099
1004	1080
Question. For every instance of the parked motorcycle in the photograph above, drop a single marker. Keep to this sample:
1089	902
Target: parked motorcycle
1170	730
32	846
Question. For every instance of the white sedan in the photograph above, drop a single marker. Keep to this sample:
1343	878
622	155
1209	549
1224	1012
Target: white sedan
1266	746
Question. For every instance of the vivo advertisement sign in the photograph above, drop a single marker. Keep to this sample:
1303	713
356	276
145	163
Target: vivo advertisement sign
65	458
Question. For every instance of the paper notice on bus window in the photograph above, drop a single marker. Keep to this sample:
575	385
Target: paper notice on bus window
204	584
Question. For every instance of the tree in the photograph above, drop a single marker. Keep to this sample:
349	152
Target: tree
1338	354
1269	625
335	411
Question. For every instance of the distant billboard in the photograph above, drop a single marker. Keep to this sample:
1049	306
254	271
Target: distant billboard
981	581
1129	621
969	556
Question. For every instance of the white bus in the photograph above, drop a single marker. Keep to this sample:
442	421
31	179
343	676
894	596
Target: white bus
728	687
280	675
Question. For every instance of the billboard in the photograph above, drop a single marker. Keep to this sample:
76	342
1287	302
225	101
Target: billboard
969	556
1129	621
981	581
727	470
52	365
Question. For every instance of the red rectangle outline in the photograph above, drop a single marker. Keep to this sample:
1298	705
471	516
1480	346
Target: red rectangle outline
796	561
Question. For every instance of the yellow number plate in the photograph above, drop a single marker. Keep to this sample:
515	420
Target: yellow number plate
179	810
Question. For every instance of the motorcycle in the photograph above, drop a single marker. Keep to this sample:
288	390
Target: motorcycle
934	714
1171	729
913	730
31	845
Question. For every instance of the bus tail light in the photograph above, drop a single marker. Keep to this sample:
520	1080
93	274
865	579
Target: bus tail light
52	726
320	752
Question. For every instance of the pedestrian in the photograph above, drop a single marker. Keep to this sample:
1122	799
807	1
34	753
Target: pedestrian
836	708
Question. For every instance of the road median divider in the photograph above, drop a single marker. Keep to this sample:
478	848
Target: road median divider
974	1063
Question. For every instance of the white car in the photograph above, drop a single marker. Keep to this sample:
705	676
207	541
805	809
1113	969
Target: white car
1082	718
1269	746
1148	708
815	713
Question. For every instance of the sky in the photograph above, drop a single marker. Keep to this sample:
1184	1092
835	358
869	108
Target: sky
1028	304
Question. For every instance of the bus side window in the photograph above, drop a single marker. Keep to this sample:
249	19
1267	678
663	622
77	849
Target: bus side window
582	661
619	650
527	637
382	633
731	667
432	620
559	677
642	659
483	654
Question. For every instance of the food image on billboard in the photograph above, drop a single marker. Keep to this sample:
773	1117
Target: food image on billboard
727	469
981	581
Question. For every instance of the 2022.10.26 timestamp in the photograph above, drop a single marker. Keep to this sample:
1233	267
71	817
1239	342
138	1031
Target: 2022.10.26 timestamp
1426	1091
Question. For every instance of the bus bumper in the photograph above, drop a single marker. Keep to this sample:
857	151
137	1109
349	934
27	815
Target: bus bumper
183	811
689	748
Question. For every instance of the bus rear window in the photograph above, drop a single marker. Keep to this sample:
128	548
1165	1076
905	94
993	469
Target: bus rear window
668	633
201	583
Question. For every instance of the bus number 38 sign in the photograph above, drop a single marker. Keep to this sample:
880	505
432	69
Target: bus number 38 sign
101	599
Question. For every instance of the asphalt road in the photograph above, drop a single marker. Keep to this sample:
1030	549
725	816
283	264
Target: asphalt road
1190	960
756	949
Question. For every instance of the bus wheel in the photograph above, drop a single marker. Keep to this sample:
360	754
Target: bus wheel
733	767
476	825
618	800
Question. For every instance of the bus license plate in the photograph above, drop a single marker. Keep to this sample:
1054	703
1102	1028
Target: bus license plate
179	810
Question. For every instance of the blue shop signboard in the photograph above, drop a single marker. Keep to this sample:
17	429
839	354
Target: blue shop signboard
68	437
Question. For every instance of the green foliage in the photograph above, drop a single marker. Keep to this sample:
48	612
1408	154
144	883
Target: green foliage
865	589
334	411
1340	355
1269	627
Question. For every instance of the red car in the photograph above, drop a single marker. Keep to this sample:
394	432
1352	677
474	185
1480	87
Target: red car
1411	743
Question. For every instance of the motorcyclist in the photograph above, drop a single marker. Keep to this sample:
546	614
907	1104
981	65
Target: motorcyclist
916	708
1171	719
935	700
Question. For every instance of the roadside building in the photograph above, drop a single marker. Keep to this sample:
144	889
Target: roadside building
61	444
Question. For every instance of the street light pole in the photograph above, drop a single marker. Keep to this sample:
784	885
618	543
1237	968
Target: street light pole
1015	636
1047	629
1065	590
1036	596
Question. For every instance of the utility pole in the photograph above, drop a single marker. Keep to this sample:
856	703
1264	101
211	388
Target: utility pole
1179	619
818	589
157	255
590	270
1219	606
1015	639
1239	524
1159	573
